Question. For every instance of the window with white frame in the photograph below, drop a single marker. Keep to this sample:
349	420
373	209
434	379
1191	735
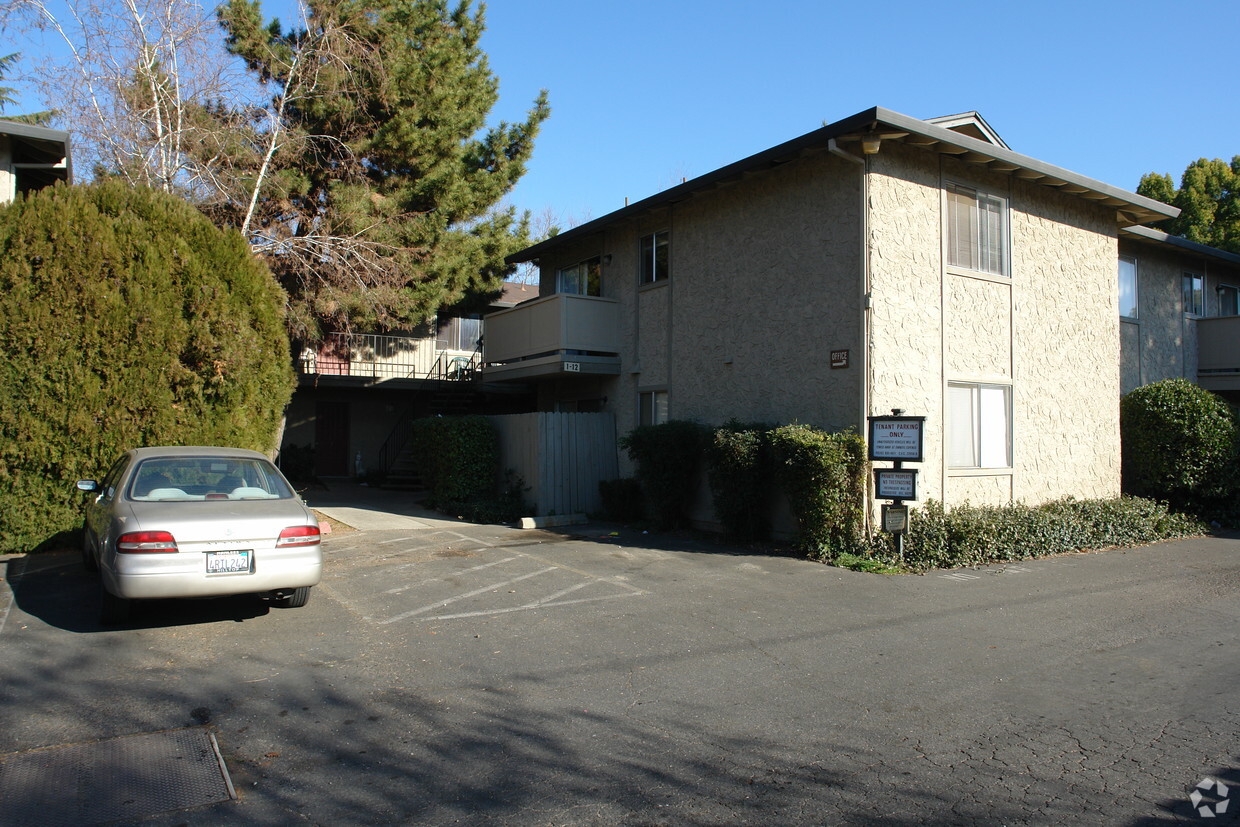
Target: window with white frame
656	266
1128	287
584	278
1194	294
652	408
979	425
977	230
1228	300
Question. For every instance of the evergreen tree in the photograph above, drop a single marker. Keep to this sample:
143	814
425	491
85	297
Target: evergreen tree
1208	198
378	188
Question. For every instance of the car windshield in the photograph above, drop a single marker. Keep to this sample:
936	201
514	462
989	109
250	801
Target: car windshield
206	478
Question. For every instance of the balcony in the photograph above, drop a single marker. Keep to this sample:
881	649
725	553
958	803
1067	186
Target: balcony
553	336
374	358
1218	353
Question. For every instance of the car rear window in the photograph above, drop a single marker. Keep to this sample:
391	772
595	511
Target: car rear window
161	479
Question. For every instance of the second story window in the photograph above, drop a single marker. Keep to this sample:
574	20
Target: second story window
582	279
1228	300
1128	287
656	266
458	332
1194	294
976	230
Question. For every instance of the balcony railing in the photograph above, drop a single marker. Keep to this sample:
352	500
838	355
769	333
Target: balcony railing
376	356
1218	352
555	334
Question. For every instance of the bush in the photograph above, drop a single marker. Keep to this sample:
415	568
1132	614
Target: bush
738	467
979	535
459	456
507	506
621	499
1179	445
668	457
824	476
126	319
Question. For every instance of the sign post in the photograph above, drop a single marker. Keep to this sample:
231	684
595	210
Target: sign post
897	439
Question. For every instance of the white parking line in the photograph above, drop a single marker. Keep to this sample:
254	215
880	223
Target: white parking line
474	593
536	605
961	576
400	589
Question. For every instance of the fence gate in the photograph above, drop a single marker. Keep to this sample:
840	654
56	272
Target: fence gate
562	457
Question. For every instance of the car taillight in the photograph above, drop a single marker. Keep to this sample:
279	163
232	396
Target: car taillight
298	535
146	542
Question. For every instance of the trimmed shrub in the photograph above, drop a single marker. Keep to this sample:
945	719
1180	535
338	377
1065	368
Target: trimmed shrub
459	456
979	535
126	319
824	476
738	467
1179	445
668	457
621	499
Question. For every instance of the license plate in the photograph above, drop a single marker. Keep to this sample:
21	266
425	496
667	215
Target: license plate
228	562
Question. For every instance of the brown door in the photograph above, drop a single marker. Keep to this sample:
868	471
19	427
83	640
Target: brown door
331	438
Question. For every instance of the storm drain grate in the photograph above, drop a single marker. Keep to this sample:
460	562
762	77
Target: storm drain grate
121	779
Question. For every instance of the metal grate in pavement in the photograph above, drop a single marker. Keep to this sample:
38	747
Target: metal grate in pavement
120	779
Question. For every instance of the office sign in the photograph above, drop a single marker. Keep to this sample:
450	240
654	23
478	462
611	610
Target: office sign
897	438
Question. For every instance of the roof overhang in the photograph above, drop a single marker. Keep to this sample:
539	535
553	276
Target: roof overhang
1149	236
43	154
1130	208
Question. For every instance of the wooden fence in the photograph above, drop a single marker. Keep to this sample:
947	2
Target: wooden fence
562	457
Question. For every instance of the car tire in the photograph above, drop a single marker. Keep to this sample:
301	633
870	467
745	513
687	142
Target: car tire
113	609
88	552
295	599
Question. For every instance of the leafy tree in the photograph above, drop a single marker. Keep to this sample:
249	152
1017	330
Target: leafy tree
378	177
126	319
1208	198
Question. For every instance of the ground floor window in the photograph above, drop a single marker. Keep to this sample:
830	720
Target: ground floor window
652	408
979	426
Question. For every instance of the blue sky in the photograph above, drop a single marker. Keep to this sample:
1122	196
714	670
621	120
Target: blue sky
644	93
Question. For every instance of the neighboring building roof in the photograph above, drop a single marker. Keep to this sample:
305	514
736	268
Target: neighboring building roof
1129	207
1148	235
516	292
41	153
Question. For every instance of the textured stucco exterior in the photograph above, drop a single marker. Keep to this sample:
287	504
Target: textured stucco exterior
779	264
1161	342
766	281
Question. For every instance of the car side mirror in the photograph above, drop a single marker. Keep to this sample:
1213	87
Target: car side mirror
87	485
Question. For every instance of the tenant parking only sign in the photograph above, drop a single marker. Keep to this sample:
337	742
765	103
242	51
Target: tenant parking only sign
897	438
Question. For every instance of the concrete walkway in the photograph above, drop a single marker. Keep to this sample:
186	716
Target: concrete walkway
373	509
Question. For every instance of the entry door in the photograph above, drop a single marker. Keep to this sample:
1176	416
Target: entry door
331	438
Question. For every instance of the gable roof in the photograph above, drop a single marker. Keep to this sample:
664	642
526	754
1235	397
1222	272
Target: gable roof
1129	207
971	124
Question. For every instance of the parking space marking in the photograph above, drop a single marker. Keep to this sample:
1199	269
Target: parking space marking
960	576
536	605
440	604
400	589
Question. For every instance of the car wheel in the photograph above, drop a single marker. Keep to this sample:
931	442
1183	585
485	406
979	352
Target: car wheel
88	553
113	609
295	599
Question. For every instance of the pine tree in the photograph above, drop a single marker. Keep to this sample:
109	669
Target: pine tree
379	184
1208	198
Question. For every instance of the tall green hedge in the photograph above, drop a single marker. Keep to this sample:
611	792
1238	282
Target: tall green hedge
738	467
1179	445
458	456
668	458
126	319
824	476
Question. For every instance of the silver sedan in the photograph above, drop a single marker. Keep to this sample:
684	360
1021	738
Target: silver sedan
198	522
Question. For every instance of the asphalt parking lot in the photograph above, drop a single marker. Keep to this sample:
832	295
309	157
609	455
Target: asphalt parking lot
448	673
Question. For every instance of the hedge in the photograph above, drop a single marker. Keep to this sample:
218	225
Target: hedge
825	477
668	458
126	319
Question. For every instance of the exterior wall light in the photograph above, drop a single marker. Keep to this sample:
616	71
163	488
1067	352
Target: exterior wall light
870	143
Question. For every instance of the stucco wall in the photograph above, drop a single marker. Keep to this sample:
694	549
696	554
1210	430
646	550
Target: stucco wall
1161	343
1048	331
